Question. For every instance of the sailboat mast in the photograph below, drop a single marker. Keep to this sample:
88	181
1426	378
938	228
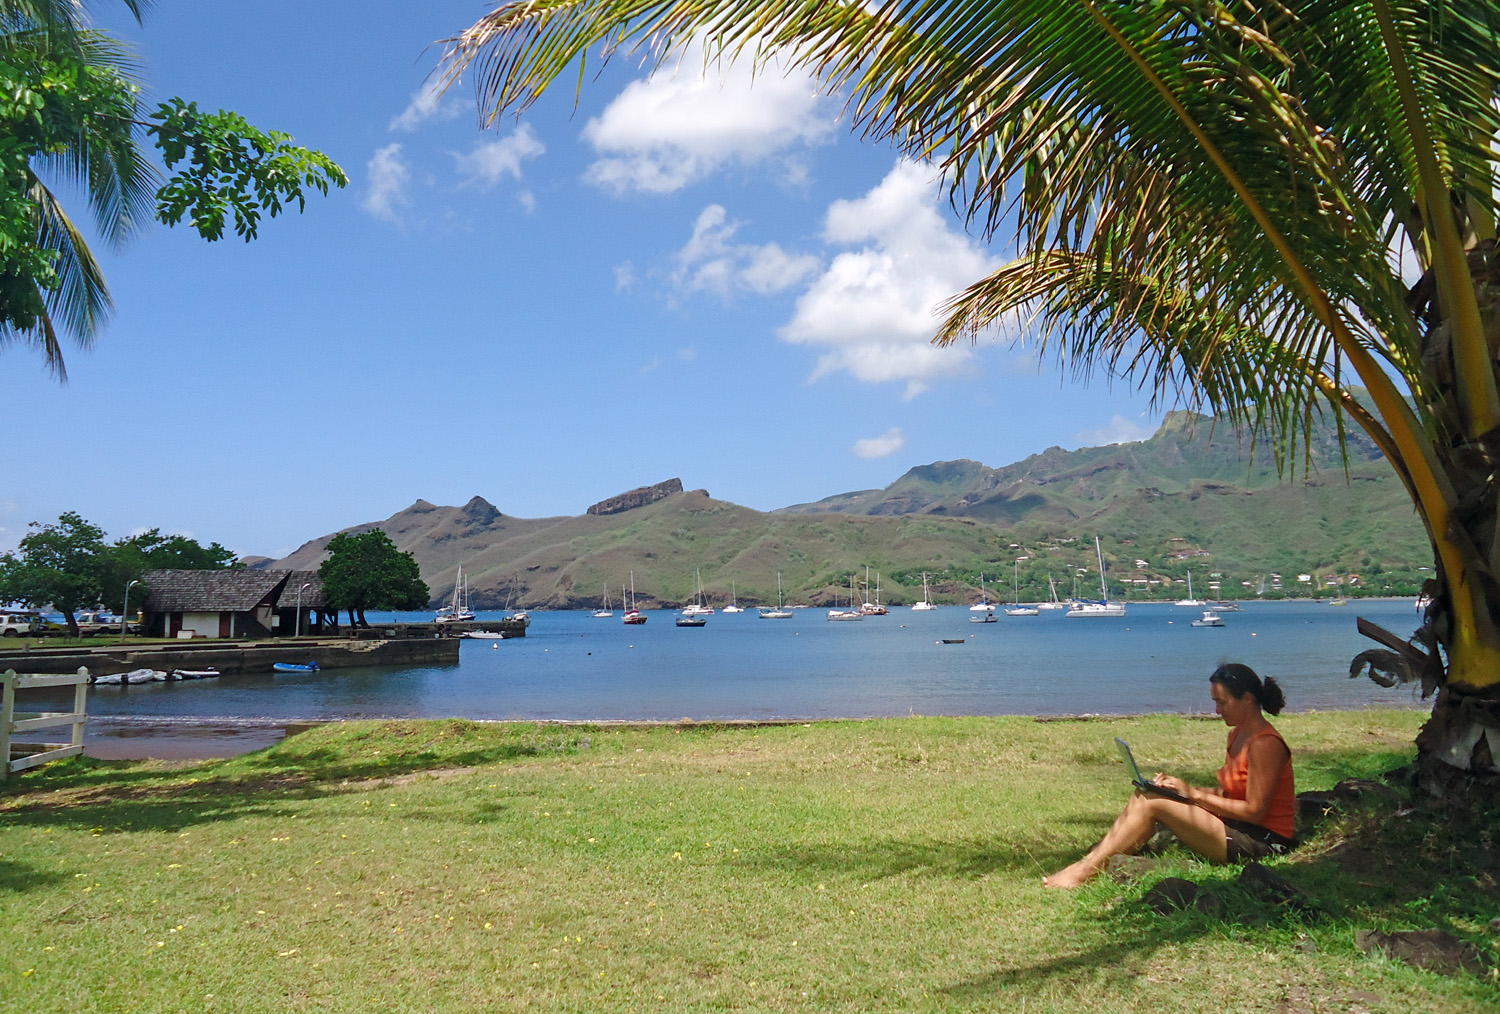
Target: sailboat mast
1103	591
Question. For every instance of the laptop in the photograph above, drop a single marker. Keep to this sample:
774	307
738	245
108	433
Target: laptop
1139	781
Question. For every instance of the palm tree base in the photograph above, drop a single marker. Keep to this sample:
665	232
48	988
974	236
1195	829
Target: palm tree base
1459	746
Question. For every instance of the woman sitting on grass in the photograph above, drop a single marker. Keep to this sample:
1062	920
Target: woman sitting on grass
1252	814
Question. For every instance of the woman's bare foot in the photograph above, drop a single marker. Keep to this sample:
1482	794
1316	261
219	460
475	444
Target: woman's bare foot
1076	875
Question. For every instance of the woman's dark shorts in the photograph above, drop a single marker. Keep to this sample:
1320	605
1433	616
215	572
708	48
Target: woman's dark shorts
1251	841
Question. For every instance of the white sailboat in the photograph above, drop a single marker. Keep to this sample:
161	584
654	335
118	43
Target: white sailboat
869	608
781	612
1190	601
1053	603
852	613
1016	609
734	601
699	607
1103	607
604	612
459	611
926	602
984	605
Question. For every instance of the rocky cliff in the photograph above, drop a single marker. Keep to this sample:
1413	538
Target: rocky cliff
638	497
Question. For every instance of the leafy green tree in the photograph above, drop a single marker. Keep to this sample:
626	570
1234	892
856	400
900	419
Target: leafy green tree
69	114
1216	201
129	558
62	564
367	571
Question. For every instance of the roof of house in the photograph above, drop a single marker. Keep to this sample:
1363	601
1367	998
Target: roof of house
210	591
312	596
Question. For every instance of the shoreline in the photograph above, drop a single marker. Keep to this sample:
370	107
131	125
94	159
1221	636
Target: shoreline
192	738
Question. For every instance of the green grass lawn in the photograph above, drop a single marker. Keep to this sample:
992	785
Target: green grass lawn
848	866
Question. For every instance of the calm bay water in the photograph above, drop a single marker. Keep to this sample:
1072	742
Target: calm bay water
572	666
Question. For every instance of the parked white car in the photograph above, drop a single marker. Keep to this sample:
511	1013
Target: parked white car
18	624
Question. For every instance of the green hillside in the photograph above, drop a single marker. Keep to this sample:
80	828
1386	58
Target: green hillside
1189	497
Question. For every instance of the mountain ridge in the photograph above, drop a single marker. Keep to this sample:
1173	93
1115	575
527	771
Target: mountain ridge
1191	484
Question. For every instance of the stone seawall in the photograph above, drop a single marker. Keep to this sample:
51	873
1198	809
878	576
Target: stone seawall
237	657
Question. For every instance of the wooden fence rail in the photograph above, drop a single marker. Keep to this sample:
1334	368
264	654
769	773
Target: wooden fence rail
13	721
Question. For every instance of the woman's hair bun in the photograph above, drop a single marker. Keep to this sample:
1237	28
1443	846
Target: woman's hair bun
1239	679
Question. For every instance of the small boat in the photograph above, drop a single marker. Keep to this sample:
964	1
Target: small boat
295	667
734	602
482	635
1210	619
985	618
604	612
952	640
926	602
1016	609
699	607
1224	607
1053	603
686	620
134	676
1190	601
633	617
781	612
984	605
850	614
867	607
192	674
460	611
1104	607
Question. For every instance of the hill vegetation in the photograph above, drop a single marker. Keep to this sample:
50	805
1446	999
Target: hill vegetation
1190	497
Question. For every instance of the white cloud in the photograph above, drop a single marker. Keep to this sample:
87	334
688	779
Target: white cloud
709	261
388	179
426	104
527	200
883	446
490	160
624	276
1119	431
662	133
875	309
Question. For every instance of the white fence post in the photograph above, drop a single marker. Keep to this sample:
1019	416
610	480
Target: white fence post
12	722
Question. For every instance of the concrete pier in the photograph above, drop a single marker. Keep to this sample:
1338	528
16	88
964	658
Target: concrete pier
237	656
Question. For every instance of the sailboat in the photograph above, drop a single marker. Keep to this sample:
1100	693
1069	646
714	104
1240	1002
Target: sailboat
926	602
734	602
984	605
699	607
1017	609
604	612
869	608
1053	603
1190	601
781	612
459	611
852	613
633	616
1103	607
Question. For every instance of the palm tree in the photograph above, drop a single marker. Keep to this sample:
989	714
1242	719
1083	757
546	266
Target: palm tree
1247	207
80	132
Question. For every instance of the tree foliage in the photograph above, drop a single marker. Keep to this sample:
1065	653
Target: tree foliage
1220	202
69	566
63	564
367	571
70	114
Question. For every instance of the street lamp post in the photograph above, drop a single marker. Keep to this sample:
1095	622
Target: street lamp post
299	608
125	610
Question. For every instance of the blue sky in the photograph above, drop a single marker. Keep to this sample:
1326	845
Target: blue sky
683	277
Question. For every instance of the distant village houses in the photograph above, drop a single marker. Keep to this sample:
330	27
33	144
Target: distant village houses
235	603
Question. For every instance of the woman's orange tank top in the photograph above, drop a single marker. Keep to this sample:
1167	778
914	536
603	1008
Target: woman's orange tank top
1234	778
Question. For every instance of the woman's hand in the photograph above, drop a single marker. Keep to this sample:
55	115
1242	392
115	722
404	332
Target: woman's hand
1174	783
